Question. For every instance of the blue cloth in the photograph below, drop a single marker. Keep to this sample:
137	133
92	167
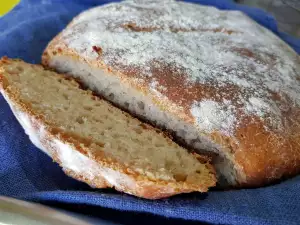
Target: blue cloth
27	173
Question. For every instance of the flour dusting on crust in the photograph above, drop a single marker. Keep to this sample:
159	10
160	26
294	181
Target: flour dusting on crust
212	116
201	46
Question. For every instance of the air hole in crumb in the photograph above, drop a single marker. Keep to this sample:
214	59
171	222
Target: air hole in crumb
97	120
141	105
95	98
88	108
180	177
169	164
158	145
94	129
20	69
116	136
12	71
198	171
138	130
109	128
97	104
111	96
101	144
80	120
124	149
121	147
34	102
66	96
144	126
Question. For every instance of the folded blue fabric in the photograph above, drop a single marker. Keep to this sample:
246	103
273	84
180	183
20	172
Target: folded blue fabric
27	173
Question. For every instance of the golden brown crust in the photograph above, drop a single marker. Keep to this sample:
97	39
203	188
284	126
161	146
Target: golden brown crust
263	156
266	156
106	172
261	153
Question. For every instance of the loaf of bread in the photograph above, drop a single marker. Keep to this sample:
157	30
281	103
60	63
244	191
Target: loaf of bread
223	84
96	142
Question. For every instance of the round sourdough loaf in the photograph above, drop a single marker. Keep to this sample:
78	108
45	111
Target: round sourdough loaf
223	84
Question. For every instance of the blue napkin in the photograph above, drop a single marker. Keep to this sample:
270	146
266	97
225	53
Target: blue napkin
27	173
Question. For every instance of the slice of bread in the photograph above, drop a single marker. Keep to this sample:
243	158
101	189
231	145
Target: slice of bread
96	142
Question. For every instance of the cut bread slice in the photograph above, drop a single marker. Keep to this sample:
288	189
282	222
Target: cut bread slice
96	142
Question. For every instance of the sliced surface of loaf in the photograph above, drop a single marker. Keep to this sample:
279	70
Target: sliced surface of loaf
223	84
96	142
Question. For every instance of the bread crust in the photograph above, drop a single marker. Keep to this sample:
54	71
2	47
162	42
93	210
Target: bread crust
261	154
82	164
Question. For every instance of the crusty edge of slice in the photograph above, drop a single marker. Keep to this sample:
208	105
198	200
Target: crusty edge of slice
97	172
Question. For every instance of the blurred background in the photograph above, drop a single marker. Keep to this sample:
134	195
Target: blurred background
286	12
